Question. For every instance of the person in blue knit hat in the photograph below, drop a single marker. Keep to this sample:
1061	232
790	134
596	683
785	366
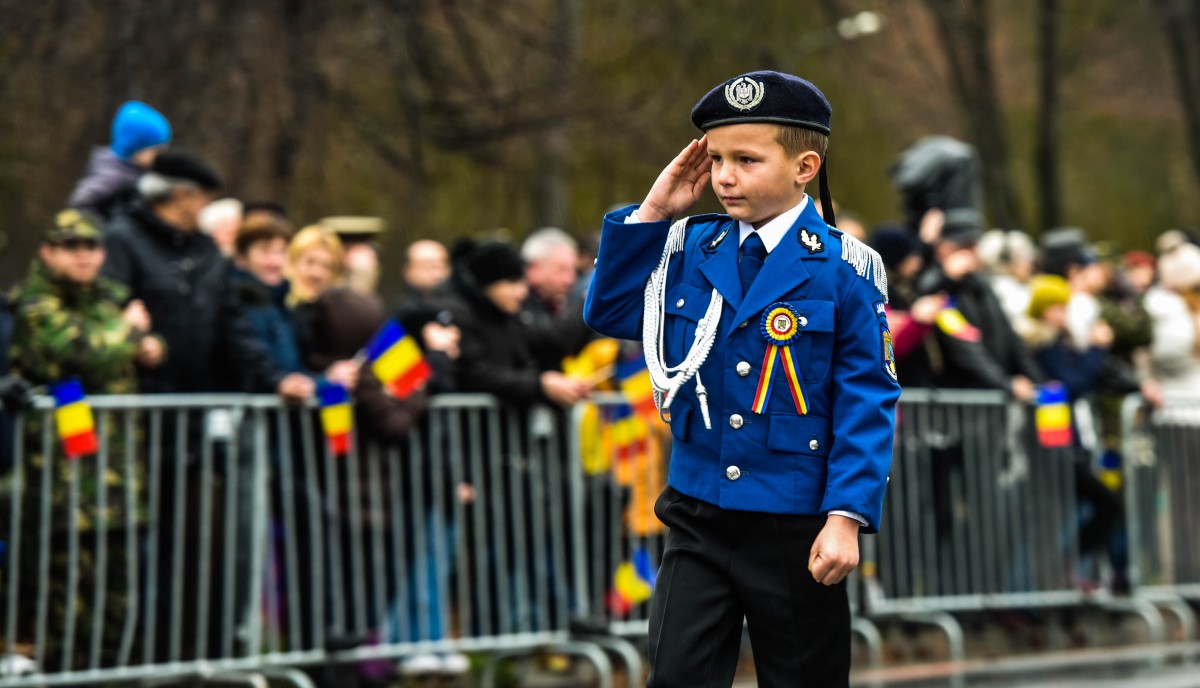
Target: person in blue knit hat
139	132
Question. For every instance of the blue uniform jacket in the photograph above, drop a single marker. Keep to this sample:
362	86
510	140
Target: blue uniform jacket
837	456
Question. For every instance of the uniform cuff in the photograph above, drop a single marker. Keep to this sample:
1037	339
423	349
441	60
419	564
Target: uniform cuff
850	514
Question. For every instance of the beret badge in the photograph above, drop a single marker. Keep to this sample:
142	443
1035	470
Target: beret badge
744	93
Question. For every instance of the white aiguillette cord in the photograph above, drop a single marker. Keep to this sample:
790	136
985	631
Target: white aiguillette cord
668	380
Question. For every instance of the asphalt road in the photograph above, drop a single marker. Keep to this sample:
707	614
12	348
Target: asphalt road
1149	666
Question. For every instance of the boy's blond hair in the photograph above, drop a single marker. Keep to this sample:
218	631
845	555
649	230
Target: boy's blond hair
797	141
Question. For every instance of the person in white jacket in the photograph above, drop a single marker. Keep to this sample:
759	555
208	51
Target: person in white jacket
1175	308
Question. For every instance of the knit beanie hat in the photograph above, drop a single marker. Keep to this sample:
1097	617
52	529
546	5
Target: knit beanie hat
1046	291
893	244
138	126
492	262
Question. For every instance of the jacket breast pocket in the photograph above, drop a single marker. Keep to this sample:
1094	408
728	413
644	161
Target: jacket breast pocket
685	306
799	434
814	348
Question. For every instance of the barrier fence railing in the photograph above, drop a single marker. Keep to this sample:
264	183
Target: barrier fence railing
1161	448
980	516
219	534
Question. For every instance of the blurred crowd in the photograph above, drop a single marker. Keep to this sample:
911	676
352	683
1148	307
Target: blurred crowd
197	292
153	281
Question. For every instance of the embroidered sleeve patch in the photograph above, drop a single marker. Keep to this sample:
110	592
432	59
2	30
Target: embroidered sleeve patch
888	353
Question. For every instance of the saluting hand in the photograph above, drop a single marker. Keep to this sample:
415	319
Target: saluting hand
680	185
835	551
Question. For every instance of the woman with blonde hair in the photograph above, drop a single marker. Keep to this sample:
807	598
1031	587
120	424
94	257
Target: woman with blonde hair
315	262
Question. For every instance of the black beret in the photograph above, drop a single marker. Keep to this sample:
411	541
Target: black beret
183	165
764	96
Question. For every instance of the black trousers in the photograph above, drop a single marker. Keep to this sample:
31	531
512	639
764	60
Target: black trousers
720	567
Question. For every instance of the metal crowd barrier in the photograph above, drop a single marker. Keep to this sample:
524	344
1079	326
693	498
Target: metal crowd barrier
218	537
979	516
1161	450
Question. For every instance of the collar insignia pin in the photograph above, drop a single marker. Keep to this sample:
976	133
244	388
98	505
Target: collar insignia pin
811	241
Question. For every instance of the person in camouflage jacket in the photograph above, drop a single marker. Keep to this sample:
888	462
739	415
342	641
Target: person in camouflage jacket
70	322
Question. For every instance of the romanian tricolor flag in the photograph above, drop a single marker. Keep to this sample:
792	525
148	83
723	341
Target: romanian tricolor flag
73	416
1053	416
397	361
337	418
634	379
624	433
952	322
633	583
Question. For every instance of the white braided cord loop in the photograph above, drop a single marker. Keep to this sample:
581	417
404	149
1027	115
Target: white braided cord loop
668	380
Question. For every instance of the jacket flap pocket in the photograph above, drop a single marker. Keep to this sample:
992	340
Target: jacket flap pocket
680	413
815	316
799	434
688	301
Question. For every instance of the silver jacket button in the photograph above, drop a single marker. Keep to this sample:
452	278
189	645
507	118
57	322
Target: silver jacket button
813	444
679	303
802	321
735	421
733	472
743	368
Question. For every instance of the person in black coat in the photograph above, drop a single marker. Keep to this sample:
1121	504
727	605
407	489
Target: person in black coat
980	350
156	250
498	351
973	346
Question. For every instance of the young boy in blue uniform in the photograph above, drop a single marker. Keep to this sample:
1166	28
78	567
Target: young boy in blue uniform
766	339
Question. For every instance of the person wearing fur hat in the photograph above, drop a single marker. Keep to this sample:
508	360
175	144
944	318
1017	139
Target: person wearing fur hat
139	132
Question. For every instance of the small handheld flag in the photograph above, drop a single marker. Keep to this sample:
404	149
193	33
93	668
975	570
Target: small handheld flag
634	379
1053	416
73	416
951	321
337	419
625	433
397	361
633	583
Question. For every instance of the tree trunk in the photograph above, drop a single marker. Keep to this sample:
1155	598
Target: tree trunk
1181	23
963	28
1046	155
554	149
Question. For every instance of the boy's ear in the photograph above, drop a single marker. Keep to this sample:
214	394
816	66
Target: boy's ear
807	166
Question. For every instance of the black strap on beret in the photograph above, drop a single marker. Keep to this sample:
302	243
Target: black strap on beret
826	199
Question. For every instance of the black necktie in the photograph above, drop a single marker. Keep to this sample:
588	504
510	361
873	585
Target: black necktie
753	255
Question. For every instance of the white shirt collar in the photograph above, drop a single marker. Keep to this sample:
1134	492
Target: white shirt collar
772	232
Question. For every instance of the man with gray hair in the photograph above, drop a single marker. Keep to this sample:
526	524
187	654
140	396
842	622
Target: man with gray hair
220	220
558	328
549	255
